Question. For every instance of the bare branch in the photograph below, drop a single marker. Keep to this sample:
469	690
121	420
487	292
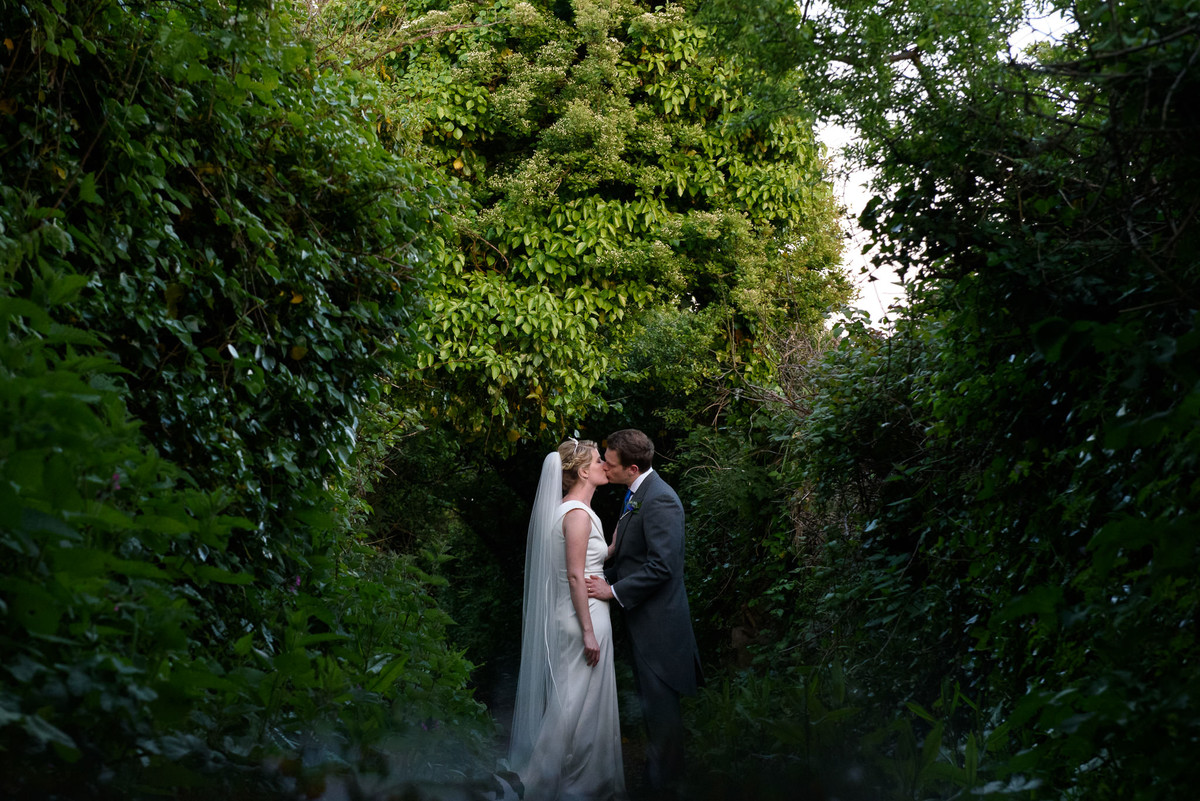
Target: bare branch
426	35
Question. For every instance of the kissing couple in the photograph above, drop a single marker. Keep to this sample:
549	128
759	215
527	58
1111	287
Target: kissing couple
566	734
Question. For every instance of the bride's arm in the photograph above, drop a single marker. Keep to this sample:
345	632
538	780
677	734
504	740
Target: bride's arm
577	527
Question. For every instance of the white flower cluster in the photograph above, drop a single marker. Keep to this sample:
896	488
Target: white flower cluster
532	184
525	14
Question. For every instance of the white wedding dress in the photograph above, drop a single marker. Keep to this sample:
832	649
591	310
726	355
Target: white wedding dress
573	753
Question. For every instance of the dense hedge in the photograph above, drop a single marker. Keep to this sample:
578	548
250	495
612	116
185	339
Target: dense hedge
209	266
1004	585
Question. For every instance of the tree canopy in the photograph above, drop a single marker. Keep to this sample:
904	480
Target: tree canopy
1006	479
615	163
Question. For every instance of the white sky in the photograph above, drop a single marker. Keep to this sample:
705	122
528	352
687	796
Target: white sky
879	288
875	296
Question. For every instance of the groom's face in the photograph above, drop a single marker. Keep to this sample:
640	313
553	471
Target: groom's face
617	472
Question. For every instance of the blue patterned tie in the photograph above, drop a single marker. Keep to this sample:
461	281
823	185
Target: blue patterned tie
625	506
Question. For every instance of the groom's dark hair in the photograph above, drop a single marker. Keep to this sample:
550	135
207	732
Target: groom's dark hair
634	447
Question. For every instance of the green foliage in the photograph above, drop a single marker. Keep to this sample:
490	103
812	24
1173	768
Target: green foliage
995	501
110	559
208	266
394	639
615	163
434	493
1020	453
107	580
738	541
779	736
249	246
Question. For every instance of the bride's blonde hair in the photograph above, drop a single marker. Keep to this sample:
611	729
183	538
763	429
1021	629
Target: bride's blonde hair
574	453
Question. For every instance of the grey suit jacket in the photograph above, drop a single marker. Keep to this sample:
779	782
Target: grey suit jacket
646	572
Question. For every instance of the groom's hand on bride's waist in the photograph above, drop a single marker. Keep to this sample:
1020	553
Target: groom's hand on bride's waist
597	587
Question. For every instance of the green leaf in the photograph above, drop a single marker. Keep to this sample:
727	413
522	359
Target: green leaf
37	610
65	288
87	189
207	573
45	732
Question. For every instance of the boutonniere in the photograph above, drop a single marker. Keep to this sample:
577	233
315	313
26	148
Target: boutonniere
631	508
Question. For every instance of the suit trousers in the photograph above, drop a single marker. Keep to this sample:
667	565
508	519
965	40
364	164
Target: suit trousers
664	727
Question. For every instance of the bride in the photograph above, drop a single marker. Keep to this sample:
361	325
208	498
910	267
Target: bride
566	738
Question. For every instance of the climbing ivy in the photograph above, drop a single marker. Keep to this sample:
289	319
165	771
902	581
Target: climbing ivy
616	163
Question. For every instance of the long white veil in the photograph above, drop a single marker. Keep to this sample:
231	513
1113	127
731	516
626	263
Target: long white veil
536	687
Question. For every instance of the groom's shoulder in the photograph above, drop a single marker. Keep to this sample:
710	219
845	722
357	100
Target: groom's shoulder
662	486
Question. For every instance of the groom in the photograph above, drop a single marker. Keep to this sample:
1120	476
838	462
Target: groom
645	576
